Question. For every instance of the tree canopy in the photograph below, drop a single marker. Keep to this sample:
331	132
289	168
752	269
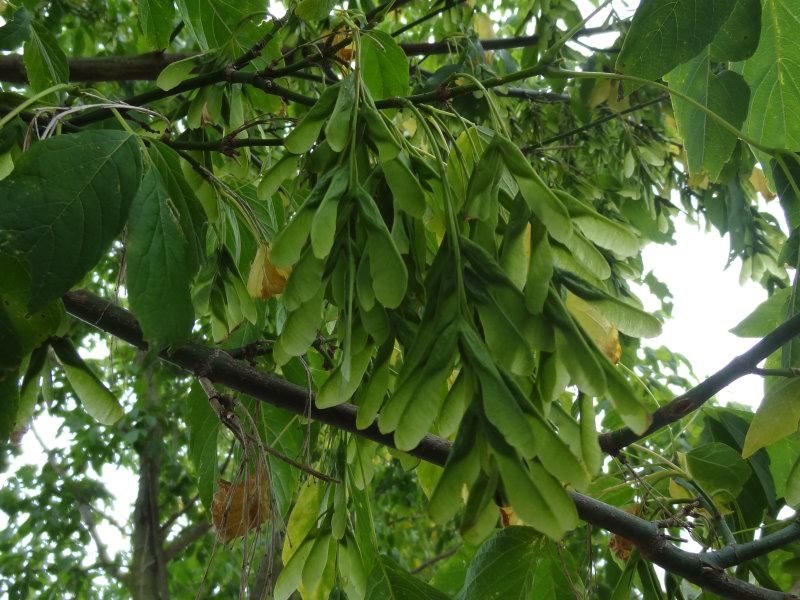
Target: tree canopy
348	292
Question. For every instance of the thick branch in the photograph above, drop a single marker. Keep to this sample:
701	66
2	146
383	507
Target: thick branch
146	67
219	367
614	441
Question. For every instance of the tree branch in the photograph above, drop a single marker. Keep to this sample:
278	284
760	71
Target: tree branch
612	442
146	67
221	368
186	538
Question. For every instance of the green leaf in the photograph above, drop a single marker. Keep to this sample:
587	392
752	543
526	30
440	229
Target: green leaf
384	65
273	178
379	134
303	518
306	132
540	198
737	39
162	260
766	317
406	190
666	34
156	18
792	494
504	566
203	425
338	390
312	11
708	145
718	469
16	30
540	269
21	331
96	398
300	328
45	62
290	577
536	496
64	204
323	227
339	126
9	402
389	273
177	72
777	417
601	230
773	75
231	27
29	389
388	581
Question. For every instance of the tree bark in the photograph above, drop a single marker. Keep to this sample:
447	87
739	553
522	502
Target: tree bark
148	570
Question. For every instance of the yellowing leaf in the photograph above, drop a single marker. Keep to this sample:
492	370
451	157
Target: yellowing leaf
777	417
239	507
759	182
602	332
265	279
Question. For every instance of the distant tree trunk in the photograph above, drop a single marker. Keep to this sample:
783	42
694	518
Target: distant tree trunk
148	570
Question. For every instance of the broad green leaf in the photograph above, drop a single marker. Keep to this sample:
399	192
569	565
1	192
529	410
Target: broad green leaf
9	402
177	72
65	203
230	27
766	317
666	34
156	18
504	566
339	125
388	580
21	331
601	230
708	145
306	132
160	266
384	66
773	75
203	425
313	10
718	469
45	62
16	30
96	398
737	39
406	189
776	417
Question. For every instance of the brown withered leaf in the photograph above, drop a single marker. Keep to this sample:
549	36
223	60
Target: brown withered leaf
238	508
622	547
265	279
